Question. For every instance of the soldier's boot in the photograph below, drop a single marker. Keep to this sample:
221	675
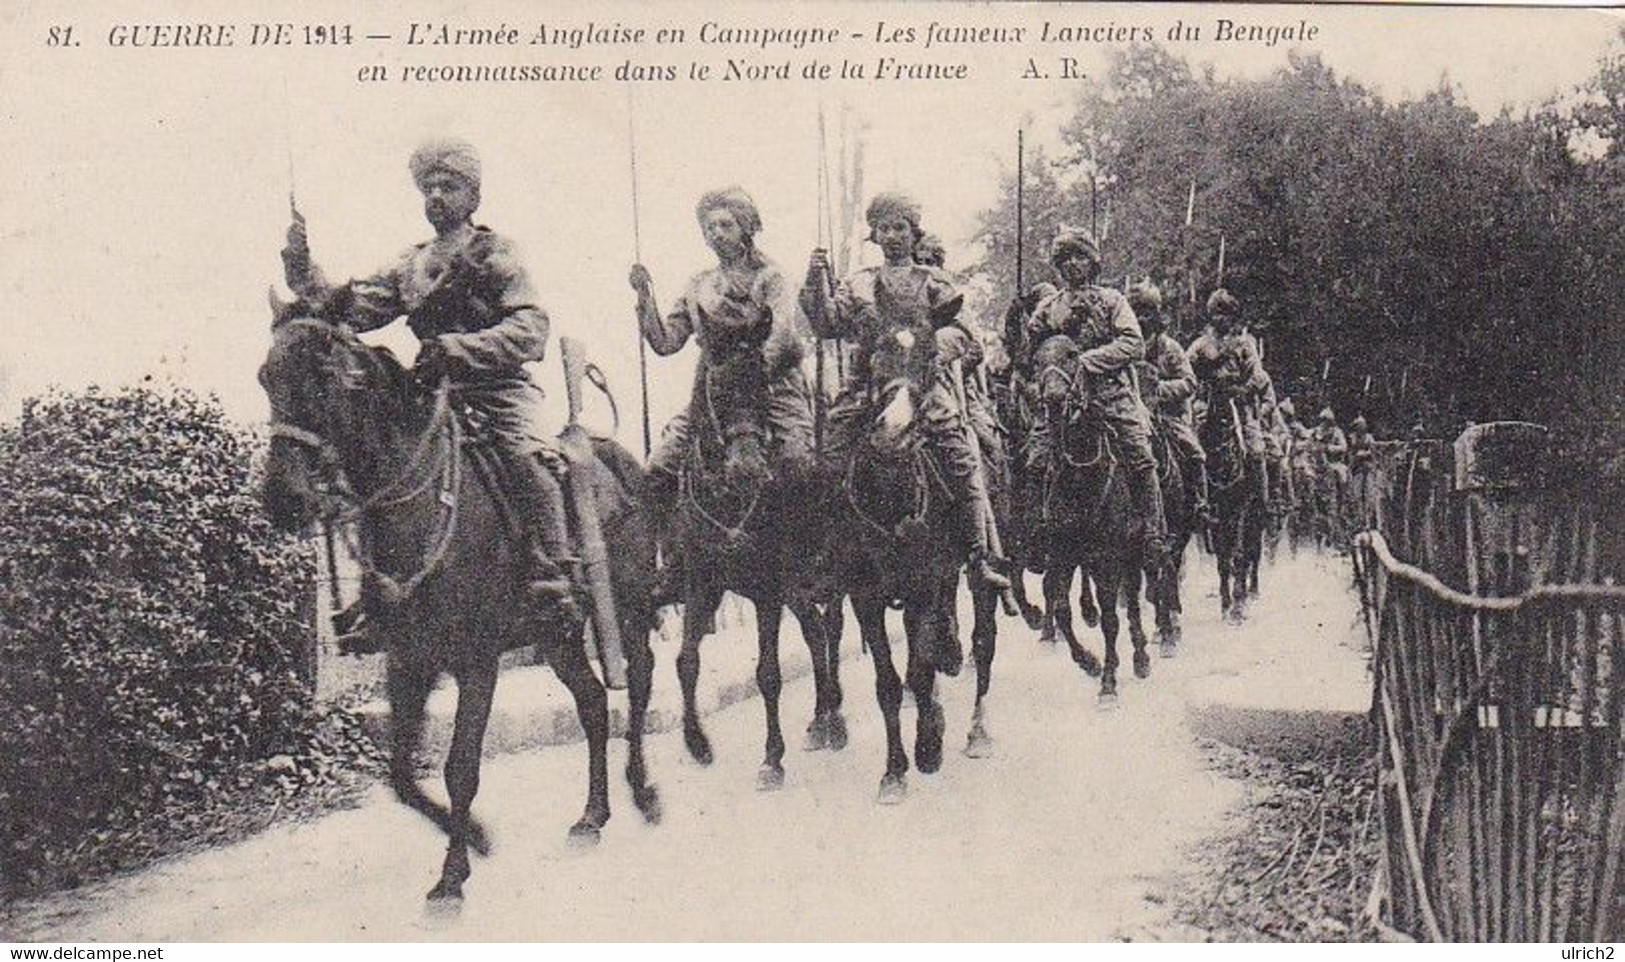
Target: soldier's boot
971	520
1145	496
1196	472
660	502
539	502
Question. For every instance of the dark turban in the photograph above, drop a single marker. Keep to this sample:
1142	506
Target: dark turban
456	156
736	202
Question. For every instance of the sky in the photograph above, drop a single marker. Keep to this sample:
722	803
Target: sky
146	192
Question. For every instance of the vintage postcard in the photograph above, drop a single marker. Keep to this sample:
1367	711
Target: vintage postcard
824	472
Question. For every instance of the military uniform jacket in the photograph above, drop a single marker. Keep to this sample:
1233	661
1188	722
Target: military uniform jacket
470	291
872	306
1176	382
1100	320
1230	363
731	309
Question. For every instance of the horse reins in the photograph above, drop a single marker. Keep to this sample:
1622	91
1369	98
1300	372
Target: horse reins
341	510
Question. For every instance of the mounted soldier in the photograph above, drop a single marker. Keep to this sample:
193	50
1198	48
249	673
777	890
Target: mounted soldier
469	301
1105	327
885	310
1225	360
746	324
1175	386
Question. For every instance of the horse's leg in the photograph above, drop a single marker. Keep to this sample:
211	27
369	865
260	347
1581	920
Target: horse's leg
1087	609
1051	607
409	687
1133	577
1057	591
834	623
871	614
475	686
640	662
699	610
812	632
1032	614
1108	586
769	614
569	661
939	619
984	633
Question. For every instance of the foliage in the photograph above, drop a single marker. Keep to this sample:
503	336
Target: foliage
1408	261
151	620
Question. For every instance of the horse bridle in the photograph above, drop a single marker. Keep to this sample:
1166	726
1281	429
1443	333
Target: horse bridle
340	507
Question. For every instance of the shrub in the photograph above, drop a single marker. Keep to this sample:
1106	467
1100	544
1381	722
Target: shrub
150	620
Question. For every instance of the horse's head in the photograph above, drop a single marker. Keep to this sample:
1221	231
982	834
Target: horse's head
332	399
1056	362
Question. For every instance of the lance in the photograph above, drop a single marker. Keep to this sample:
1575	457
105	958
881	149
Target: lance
825	229
343	622
1190	220
1221	259
1021	177
637	257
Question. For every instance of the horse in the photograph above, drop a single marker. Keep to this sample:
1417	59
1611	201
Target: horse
1088	520
738	532
353	439
1235	495
892	544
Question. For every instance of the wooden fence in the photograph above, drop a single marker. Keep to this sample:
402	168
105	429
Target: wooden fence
1490	588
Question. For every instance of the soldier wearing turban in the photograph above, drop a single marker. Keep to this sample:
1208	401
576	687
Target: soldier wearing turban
747	325
1229	371
886	310
1101	322
1173	385
467	297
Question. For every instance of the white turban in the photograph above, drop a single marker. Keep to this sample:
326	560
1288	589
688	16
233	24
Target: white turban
457	156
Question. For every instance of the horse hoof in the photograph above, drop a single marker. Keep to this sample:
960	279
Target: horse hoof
446	897
584	834
1168	647
1086	660
770	778
978	745
837	732
647	800
817	736
1034	619
1235	617
893	789
1047	636
1091	617
1142	663
699	746
478	841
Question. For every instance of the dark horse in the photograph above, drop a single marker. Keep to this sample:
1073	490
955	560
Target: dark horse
1087	518
1235	492
352	439
893	547
757	535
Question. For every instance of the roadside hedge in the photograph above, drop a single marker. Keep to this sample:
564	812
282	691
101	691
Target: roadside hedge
151	622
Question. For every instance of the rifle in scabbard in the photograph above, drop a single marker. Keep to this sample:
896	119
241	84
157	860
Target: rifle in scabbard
576	447
1007	597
